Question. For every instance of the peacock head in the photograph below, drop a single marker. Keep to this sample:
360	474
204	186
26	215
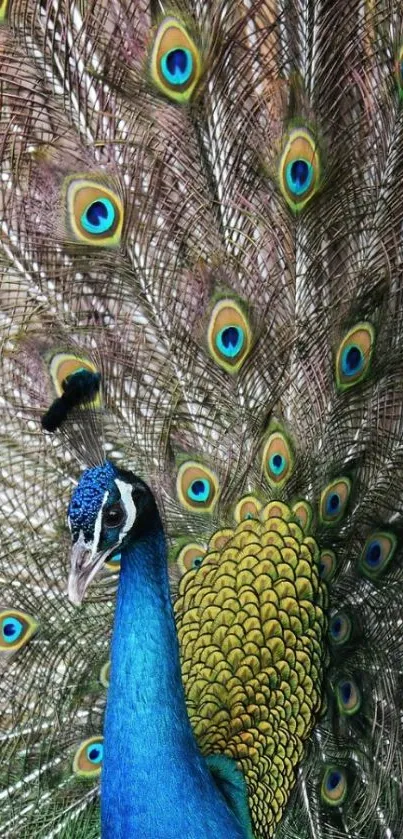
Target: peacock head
108	509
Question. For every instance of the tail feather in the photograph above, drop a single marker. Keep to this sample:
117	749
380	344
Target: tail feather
222	308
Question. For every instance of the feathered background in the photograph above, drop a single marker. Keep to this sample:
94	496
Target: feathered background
207	232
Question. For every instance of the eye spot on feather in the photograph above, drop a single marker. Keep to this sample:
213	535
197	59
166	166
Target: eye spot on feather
88	758
303	513
354	356
94	213
230	341
377	554
16	629
175	61
340	628
278	459
229	336
299	170
63	366
113	563
197	487
99	216
190	557
334	500
327	565
199	490
348	697
248	507
334	786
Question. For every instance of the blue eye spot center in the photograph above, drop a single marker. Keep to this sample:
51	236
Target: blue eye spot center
96	213
230	341
300	172
277	464
177	65
11	629
197	561
95	753
99	217
336	626
177	60
333	780
333	502
346	692
199	490
353	360
373	554
299	176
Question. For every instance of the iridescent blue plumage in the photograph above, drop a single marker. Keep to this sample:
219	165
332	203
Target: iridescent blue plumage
87	499
201	203
151	753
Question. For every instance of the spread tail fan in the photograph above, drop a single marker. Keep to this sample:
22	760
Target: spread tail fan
201	364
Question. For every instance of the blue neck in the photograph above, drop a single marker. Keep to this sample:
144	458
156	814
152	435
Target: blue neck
155	783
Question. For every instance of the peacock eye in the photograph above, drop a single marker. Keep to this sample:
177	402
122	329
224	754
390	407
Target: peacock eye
348	697
88	758
327	565
299	171
16	628
334	786
303	513
354	356
378	552
175	62
248	507
197	487
229	335
113	516
94	212
334	500
190	557
278	459
340	628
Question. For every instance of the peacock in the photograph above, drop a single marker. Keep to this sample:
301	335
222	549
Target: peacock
201	419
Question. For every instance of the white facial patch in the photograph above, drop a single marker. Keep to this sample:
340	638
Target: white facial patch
129	505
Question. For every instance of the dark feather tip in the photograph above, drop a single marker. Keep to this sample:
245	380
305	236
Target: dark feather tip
81	387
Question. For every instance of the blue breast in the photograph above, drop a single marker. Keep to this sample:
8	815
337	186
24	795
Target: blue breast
155	783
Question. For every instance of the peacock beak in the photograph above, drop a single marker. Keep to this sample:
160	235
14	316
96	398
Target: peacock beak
85	562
